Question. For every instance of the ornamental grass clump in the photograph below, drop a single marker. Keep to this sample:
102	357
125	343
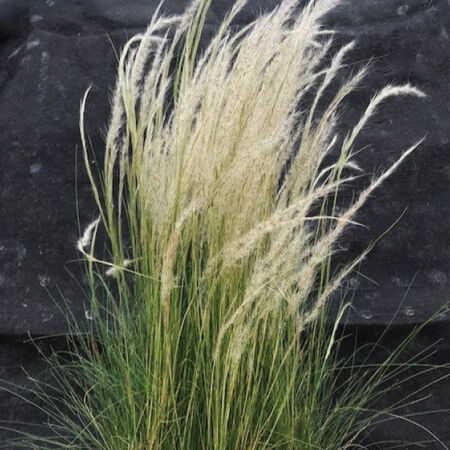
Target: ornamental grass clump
217	201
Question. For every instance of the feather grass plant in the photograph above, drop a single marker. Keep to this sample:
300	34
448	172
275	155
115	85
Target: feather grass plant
219	215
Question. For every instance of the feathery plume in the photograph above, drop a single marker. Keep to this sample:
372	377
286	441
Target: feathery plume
85	240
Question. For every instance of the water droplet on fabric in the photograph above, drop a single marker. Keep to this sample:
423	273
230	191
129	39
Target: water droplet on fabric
402	10
35	18
354	283
47	315
35	168
366	314
44	280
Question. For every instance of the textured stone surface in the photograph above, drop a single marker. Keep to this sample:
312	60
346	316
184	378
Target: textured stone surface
52	50
20	362
408	42
421	398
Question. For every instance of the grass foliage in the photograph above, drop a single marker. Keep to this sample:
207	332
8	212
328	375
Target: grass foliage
217	200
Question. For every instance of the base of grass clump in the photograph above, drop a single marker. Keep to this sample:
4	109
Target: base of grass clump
342	395
209	328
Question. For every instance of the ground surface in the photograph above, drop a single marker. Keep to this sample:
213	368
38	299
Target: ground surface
51	51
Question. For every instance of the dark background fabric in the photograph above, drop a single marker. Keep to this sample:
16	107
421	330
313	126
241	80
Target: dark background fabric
52	50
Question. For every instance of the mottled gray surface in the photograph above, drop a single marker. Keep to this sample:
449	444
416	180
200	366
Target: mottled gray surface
409	42
52	50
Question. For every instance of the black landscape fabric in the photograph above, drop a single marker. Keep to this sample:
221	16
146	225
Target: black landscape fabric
52	50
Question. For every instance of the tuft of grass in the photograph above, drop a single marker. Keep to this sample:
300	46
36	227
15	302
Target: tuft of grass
219	215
